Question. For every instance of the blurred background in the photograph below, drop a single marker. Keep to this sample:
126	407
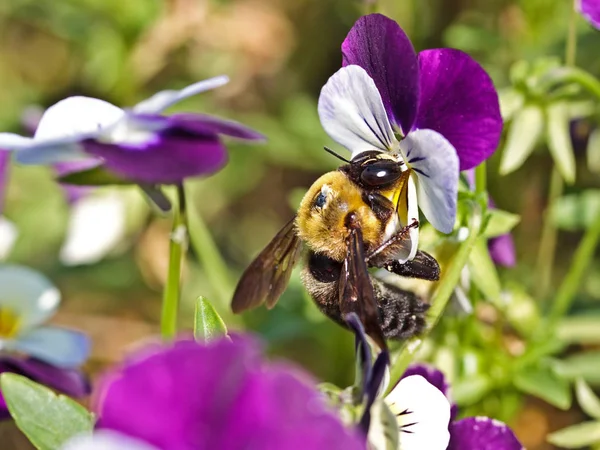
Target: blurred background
278	54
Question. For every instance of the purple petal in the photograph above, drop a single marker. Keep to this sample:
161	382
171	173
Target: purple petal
167	158
431	374
205	125
67	381
590	10
482	433
502	250
72	192
194	397
378	45
4	162
459	101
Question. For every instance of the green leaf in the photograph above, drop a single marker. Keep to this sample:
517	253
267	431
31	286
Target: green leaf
558	137
576	436
208	325
472	389
520	309
511	101
587	399
484	274
47	419
579	329
543	383
523	134
500	222
96	176
582	365
593	151
576	211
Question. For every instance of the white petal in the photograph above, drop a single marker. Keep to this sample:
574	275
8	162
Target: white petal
427	414
11	141
57	346
64	125
8	236
383	431
28	294
352	112
435	161
97	224
164	99
106	440
408	212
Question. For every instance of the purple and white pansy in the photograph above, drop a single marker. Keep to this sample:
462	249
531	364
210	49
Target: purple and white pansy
437	111
139	144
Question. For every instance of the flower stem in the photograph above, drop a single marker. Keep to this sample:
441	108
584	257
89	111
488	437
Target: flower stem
177	244
579	264
448	282
547	248
212	262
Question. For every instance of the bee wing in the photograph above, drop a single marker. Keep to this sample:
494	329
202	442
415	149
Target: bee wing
356	291
267	276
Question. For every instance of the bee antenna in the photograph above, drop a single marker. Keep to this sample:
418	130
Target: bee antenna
328	150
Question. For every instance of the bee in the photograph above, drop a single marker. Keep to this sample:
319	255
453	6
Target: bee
348	221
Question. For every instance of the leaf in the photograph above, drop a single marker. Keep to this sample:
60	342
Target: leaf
585	365
47	419
587	399
576	211
523	134
558	137
500	222
511	101
543	383
208	325
593	151
96	176
579	329
484	274
472	389
576	436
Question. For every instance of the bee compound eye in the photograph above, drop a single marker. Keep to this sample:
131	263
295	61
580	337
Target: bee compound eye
381	173
320	200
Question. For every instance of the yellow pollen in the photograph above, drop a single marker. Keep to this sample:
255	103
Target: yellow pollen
9	323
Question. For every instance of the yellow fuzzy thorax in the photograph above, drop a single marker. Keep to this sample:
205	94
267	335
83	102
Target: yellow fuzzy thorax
324	229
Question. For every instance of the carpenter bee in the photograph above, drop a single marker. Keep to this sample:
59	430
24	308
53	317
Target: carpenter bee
349	221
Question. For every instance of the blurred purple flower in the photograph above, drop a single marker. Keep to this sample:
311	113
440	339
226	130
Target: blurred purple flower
138	144
590	10
67	381
188	396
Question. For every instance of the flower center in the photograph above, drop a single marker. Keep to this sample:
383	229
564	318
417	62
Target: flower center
9	323
404	422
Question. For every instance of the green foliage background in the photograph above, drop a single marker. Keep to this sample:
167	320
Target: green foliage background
278	54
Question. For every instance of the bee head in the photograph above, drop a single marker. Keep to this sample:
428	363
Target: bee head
323	213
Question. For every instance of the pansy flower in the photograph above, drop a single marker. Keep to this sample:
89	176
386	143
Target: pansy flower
46	354
590	10
139	144
27	300
437	111
222	395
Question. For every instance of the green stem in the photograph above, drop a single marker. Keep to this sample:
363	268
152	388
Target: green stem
481	178
450	279
571	283
547	248
210	258
177	243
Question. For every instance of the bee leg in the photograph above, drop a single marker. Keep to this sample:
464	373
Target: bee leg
402	312
378	256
